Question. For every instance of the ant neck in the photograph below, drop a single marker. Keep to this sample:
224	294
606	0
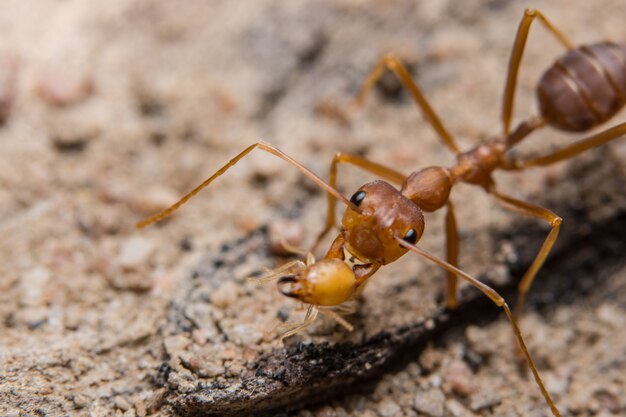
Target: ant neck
522	130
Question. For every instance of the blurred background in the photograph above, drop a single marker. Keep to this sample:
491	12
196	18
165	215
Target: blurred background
112	110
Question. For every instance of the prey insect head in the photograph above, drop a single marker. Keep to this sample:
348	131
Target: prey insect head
289	285
328	282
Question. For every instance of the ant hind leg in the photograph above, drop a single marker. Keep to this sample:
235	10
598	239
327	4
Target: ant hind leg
516	58
541	213
572	150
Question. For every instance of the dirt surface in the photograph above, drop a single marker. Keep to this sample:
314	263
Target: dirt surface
111	111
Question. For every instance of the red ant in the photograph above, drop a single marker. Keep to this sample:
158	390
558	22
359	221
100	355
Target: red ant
584	88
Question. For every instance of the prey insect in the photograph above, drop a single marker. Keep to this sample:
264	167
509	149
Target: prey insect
584	88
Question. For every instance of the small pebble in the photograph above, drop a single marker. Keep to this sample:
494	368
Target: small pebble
135	252
139	281
557	383
479	340
435	380
72	132
34	317
324	411
203	367
430	402
332	111
457	409
460	378
341	412
607	401
482	400
174	345
388	408
33	284
246	334
64	88
140	408
121	403
281	231
155	399
612	315
8	83
80	401
225	295
430	358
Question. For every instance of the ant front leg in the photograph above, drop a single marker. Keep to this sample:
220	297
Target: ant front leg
360	162
538	212
398	69
500	302
264	147
516	58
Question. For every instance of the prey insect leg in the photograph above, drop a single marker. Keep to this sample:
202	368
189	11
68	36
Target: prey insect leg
309	318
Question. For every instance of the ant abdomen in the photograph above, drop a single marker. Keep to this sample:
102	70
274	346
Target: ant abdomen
585	87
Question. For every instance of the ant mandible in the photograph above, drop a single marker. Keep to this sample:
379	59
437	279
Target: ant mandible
584	88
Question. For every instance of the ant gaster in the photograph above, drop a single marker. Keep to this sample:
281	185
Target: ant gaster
585	87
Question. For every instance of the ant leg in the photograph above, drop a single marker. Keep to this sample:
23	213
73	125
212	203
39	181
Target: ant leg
309	318
370	166
310	258
338	319
499	301
571	150
264	147
553	220
278	272
516	58
348	307
394	65
452	253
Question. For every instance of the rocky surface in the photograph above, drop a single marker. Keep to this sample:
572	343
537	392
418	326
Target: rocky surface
111	111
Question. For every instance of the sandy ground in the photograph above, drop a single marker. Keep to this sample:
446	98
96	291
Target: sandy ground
113	110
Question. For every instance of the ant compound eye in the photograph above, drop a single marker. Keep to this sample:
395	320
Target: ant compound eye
410	236
358	198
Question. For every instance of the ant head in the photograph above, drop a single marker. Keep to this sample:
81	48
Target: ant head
328	282
383	214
